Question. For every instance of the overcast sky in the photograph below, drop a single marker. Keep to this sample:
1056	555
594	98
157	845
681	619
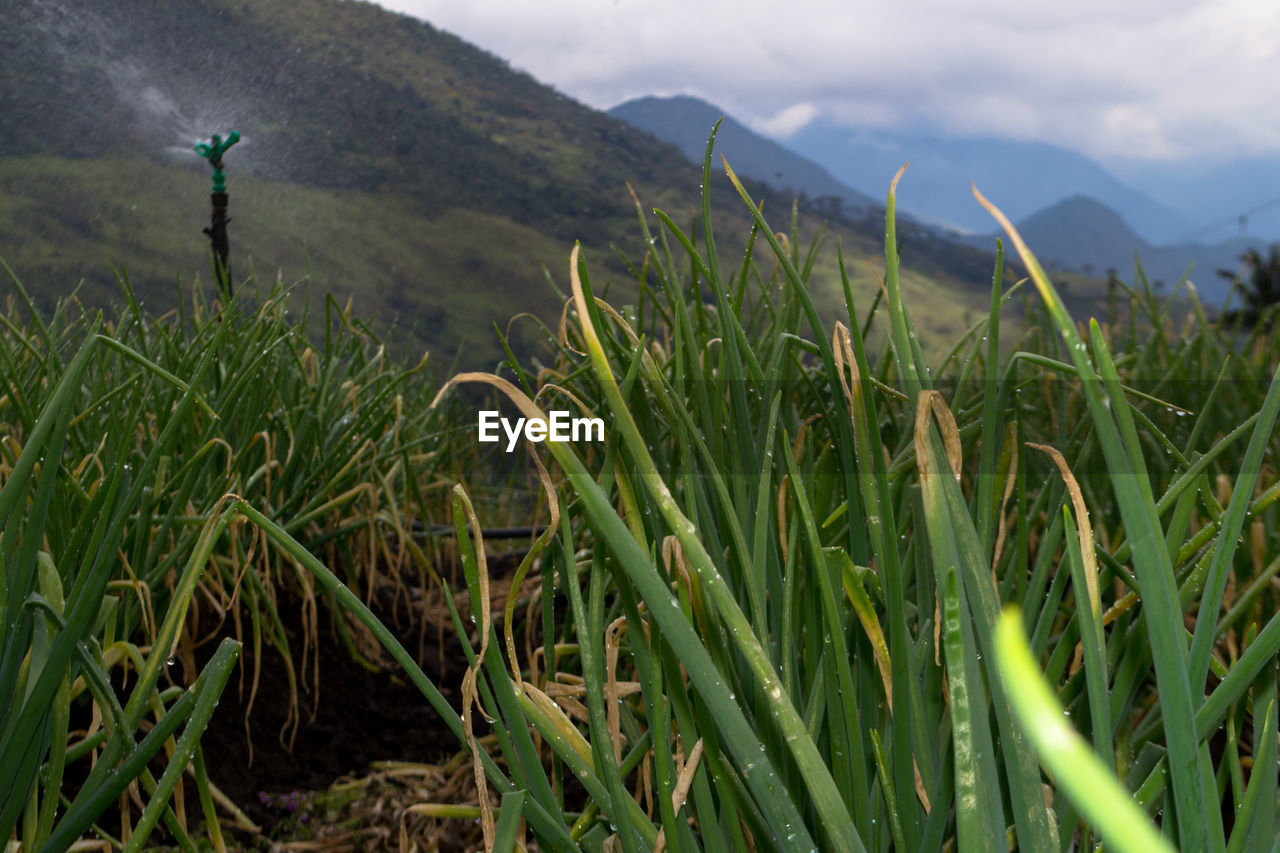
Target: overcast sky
1111	78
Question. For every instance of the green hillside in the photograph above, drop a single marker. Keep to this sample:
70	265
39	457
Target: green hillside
385	160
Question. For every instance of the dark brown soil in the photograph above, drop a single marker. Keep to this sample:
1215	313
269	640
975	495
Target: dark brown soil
362	716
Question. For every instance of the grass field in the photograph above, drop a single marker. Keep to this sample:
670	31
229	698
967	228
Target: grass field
825	585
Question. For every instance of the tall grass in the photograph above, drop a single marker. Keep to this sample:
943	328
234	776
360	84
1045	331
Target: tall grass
773	610
61	528
122	564
785	571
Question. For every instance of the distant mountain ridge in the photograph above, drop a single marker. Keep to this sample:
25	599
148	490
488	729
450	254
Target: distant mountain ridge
1074	214
1020	176
1216	196
1083	235
687	122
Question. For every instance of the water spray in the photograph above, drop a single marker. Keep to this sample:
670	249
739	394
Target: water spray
217	230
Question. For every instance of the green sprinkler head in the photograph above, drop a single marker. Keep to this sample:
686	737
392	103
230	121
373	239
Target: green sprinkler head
213	151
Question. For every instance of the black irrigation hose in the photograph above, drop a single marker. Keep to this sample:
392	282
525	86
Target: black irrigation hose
421	529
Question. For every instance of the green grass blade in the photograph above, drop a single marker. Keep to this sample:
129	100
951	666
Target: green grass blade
1256	821
979	816
1091	639
1229	535
846	750
592	624
985	499
508	827
953	542
86	808
759	772
906	349
1161	606
208	688
1076	768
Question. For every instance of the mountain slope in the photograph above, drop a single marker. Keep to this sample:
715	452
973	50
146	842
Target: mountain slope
364	133
1082	234
1077	233
1080	230
1216	195
327	94
387	161
687	121
1021	177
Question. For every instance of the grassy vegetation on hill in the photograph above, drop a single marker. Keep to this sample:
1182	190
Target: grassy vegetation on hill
123	441
438	278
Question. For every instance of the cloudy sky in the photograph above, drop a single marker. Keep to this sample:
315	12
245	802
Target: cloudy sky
1115	79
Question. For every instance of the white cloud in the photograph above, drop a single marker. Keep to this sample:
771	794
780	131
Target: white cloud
1132	78
1138	127
786	122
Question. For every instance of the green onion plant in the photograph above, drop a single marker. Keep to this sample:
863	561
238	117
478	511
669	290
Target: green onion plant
783	574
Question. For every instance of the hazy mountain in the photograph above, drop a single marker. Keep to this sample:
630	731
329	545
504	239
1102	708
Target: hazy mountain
1089	228
687	122
388	161
1215	195
1020	177
1080	228
1083	235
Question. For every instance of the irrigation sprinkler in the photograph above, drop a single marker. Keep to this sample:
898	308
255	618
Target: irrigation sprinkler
217	230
